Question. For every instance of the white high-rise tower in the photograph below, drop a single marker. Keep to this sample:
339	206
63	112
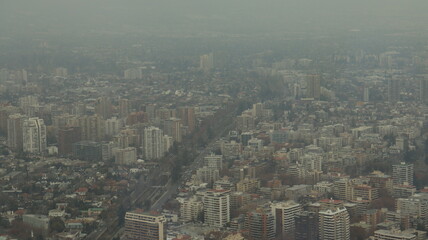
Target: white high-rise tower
153	143
334	224
34	136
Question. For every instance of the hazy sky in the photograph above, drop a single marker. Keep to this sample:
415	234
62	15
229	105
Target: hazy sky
231	16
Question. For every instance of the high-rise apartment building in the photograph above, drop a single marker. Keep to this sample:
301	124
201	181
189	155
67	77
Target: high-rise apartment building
284	214
113	126
64	121
127	137
5	112
366	94
88	151
187	116
306	226
393	90
191	209
14	131
342	189
257	110
260	224
147	226
153	143
66	137
123	108
402	174
168	142
423	89
313	87
103	107
92	127
334	224
207	175
34	136
248	185
172	127
214	161
217	207
206	62
245	122
125	156
413	206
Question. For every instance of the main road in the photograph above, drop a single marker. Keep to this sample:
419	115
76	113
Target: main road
170	189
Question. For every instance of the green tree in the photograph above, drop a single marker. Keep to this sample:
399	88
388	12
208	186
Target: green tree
56	224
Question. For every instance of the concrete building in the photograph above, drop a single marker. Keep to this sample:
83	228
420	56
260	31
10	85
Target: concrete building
172	127
313	87
14	131
207	175
402	174
414	206
326	204
245	122
260	224
36	221
28	101
342	189
88	151
256	144
103	107
423	88
393	90
306	226
334	224
168	142
366	94
206	62
128	137
191	209
365	192
231	149
217	207
153	143
147	226
257	110
284	214
34	136
248	185
393	235
125	156
113	126
187	117
123	108
66	138
91	127
214	161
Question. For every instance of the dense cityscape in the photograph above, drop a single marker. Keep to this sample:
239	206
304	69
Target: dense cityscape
319	134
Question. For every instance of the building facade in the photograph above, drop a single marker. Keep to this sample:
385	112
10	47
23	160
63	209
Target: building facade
334	224
147	226
217	207
34	136
153	143
402	174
